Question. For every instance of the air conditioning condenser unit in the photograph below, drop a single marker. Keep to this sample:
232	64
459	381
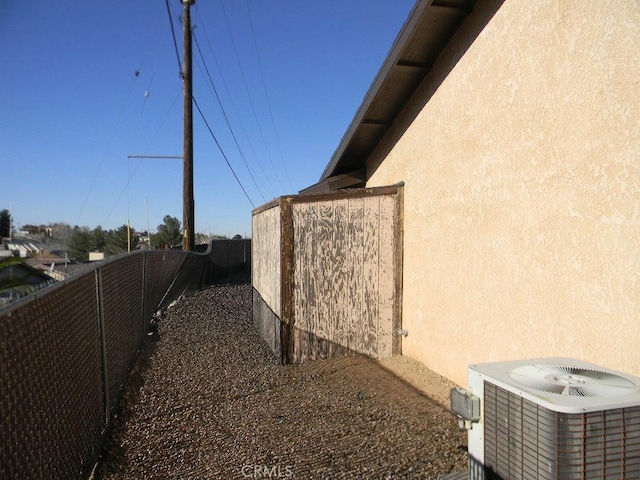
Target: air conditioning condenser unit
550	418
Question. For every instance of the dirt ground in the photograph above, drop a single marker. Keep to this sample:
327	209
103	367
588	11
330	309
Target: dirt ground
208	400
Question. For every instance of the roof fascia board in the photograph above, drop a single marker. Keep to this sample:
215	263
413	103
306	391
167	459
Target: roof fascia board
388	64
337	182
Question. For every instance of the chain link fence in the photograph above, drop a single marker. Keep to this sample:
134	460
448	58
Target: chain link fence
65	353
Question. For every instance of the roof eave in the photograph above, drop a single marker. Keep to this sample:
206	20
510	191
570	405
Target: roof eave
424	13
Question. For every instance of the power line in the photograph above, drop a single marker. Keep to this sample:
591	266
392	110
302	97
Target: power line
266	94
267	182
133	140
246	86
164	119
121	113
221	151
193	99
224	114
104	155
132	173
173	34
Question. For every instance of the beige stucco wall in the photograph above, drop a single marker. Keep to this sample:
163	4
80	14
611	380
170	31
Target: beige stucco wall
522	193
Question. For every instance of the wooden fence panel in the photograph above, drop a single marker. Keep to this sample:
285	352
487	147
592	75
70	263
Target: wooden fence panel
387	276
305	286
342	251
339	283
368	339
355	261
266	257
345	286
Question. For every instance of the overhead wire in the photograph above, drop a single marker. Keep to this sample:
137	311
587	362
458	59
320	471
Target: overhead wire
164	119
117	125
106	151
111	138
226	118
130	173
133	139
193	99
221	150
127	99
265	177
266	94
173	33
251	103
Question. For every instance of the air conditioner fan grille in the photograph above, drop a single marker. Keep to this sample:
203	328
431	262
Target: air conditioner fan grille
572	381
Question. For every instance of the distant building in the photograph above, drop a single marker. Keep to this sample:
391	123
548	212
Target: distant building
96	256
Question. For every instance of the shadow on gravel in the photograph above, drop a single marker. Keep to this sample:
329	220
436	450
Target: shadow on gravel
208	400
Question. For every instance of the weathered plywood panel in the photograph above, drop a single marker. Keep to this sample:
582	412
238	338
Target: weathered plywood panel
266	257
387	237
340	280
369	328
325	272
355	261
325	275
304	283
345	276
267	324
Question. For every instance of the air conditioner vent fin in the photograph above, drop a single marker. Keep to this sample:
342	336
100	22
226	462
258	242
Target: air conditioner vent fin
520	444
572	381
554	418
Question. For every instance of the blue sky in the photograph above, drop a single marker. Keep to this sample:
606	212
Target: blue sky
290	75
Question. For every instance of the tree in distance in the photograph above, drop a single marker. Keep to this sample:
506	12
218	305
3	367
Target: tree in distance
169	233
120	240
99	238
5	223
111	242
80	244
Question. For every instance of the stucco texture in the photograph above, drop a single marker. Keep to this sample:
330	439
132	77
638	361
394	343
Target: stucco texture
522	189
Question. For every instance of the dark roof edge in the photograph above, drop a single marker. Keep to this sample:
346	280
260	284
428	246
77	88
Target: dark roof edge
355	179
387	65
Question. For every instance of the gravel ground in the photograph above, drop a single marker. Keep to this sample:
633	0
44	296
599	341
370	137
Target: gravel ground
208	400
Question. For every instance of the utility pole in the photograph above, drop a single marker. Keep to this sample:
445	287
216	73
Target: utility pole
187	181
